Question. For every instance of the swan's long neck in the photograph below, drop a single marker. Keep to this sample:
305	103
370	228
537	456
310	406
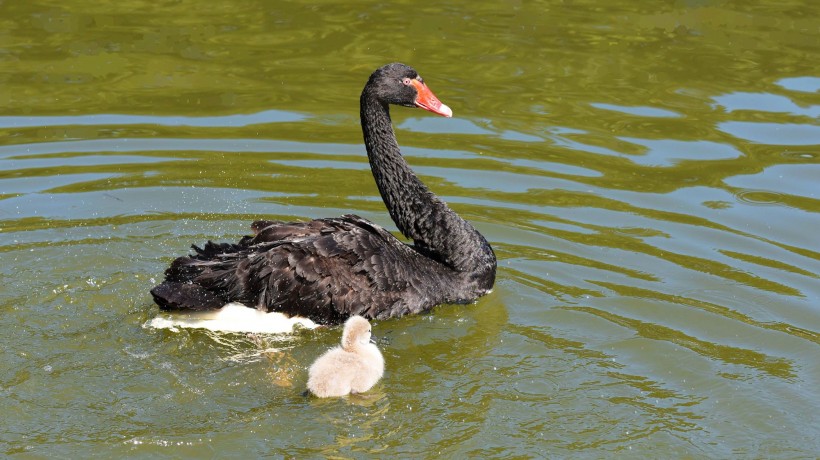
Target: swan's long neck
436	230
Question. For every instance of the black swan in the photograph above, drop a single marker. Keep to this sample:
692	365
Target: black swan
330	269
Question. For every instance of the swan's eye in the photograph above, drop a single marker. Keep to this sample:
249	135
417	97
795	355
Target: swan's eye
406	81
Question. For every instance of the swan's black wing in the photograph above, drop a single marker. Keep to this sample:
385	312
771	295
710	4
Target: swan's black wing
325	269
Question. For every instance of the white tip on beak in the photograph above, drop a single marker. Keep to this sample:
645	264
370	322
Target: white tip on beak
446	111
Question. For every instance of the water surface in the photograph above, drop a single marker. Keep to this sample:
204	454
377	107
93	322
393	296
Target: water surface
648	177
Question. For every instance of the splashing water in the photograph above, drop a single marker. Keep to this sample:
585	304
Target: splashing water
233	317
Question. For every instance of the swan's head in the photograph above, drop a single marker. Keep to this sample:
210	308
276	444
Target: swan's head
356	333
401	85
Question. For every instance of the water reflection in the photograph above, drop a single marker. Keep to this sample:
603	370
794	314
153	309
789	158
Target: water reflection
267	116
646	176
773	133
666	152
773	366
803	84
765	102
638	111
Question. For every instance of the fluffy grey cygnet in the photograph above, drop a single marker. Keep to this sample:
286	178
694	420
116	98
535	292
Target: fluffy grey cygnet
353	367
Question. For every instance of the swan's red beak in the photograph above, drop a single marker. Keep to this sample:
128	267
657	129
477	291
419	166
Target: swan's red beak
428	101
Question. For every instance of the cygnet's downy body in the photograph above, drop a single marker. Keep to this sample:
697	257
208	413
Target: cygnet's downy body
353	367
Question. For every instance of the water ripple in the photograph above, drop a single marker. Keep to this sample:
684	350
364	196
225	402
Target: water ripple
234	120
773	133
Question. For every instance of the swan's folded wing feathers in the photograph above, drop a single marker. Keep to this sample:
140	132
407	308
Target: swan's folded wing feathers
271	231
334	268
260	225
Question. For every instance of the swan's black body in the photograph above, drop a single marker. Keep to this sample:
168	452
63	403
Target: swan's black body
330	269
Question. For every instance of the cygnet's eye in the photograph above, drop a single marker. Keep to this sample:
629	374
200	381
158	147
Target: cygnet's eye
406	81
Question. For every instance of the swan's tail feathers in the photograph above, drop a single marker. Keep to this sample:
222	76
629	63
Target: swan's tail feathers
173	296
205	280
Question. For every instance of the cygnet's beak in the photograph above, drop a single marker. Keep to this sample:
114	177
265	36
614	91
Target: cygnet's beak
372	339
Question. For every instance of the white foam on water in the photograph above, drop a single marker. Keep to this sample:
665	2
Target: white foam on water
233	317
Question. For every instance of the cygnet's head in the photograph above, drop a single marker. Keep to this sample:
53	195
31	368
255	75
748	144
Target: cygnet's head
356	333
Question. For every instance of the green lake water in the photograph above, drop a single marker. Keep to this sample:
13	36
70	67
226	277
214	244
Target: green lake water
648	174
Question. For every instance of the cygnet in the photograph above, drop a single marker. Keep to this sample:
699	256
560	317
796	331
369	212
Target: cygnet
354	367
